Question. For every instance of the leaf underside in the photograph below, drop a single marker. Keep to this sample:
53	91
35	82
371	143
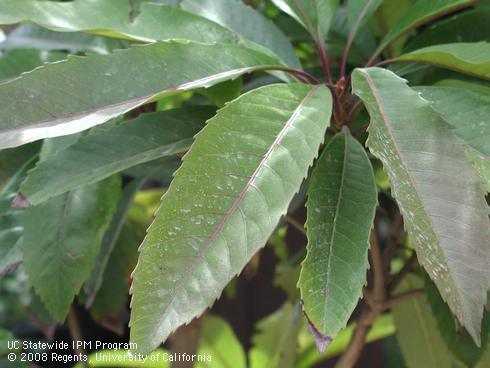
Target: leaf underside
223	204
438	191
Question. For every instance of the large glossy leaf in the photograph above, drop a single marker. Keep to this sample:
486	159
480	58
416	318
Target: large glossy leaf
114	18
468	111
422	12
417	333
36	37
224	203
276	342
61	241
70	96
471	58
247	22
104	152
469	26
438	191
220	342
315	15
341	196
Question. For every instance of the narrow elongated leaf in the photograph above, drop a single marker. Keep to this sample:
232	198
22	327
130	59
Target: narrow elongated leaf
315	15
220	342
114	18
467	111
74	95
107	151
416	330
109	241
224	203
359	12
15	62
469	26
471	58
247	22
35	37
422	12
438	191
341	196
276	342
62	238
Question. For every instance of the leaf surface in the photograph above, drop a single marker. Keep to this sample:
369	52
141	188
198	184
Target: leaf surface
471	58
114	18
61	241
422	12
223	204
104	152
276	342
438	191
246	22
96	88
359	12
315	16
15	62
341	203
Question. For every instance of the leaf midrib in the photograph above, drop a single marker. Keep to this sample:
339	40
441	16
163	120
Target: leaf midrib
388	125
234	206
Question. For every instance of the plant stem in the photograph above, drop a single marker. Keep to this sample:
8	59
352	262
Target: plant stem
296	224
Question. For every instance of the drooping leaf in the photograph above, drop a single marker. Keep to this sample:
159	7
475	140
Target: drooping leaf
12	159
109	241
276	342
113	18
341	196
469	26
359	12
471	58
224	203
422	12
314	15
437	189
419	339
61	241
30	36
223	92
457	340
219	342
467	111
246	22
15	62
94	89
104	152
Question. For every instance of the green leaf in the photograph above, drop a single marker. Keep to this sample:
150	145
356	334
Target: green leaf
467	111
472	58
7	337
420	341
61	241
224	202
437	190
457	340
246	22
109	241
113	18
218	341
35	37
276	343
468	26
422	12
482	165
104	152
12	159
341	196
77	94
223	92
15	62
316	16
359	11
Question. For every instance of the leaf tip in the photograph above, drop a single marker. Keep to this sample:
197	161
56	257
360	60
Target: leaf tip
20	201
322	341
